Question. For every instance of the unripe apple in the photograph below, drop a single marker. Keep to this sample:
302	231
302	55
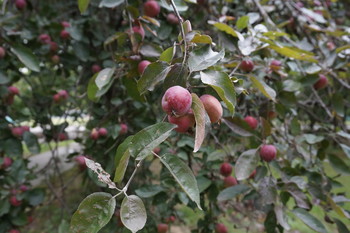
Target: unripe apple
13	90
171	219
65	24
247	65
44	38
14	201
268	152
64	34
94	134
176	100
80	160
123	129
172	18
162	228
230	181
139	30
63	94
95	68
7	162
102	132
225	169
62	137
183	122
213	107
252	122
220	228
21	4
142	66
2	52
23	188
14	231
151	8
321	83
55	59
53	46
17	131
275	65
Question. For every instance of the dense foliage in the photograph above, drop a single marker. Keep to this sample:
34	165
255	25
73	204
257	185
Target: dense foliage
250	138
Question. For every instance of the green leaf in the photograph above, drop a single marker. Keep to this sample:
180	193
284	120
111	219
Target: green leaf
226	28
153	74
176	76
281	217
168	54
342	48
110	3
13	147
31	142
203	183
83	5
246	164
263	87
121	159
93	213
338	164
238	126
104	77
309	220
202	120
35	196
242	22
149	191
143	143
266	128
270	222
222	84
180	5
92	89
341	226
204	57
27	57
133	213
3	78
273	35
232	192
294	53
183	175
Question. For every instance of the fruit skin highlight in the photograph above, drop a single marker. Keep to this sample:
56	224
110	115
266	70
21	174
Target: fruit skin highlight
212	107
176	101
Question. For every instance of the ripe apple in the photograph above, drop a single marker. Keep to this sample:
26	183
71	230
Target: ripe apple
268	152
252	122
176	101
123	129
275	65
220	228
44	38
247	65
80	160
171	219
139	30
172	18
7	162
142	66
56	98
183	122
321	83
13	90
151	8
55	59
14	201
64	34
230	181
53	46
17	131
95	68
21	4
225	169
63	94
23	188
94	134
2	52
65	24
162	228
213	107
102	132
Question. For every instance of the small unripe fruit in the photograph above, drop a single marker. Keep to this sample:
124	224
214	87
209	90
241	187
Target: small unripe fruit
321	83
21	4
95	68
17	131
139	30
172	18
44	38
55	59
268	152
251	121
14	201
225	169
162	228
176	100
7	162
220	228
230	181
94	134
80	160
151	8
2	52
64	34
65	24
53	46
13	90
102	132
142	66
187	26
212	107
184	123
275	65
123	129
247	65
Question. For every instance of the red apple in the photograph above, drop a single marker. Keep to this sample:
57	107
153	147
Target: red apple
123	129
172	18
183	122
139	30
151	8
55	59
94	134
2	52
53	46
171	219
220	228
25	128
21	4
63	94
30	219
64	34
321	83
212	107
176	101
56	98
13	231
13	90
162	228
23	188
268	152
65	24
80	160
157	150
7	162
330	45
17	131
142	66
102	132
14	201
230	181
95	68
275	65
252	122
247	65
44	38
225	169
